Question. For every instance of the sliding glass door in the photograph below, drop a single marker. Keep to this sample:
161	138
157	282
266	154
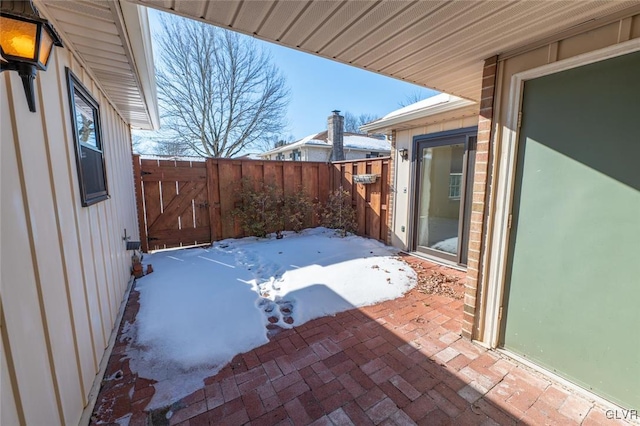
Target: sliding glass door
441	214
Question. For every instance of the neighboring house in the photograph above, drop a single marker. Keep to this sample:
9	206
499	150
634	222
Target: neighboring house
327	145
553	235
249	156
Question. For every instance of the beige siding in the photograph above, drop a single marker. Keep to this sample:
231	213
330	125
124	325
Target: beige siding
64	266
608	35
404	185
8	404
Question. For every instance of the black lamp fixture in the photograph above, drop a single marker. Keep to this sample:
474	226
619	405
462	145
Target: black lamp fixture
26	43
404	153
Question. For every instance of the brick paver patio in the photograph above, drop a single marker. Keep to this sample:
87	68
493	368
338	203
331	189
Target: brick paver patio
400	362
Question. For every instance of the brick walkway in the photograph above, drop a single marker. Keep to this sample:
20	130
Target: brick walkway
400	362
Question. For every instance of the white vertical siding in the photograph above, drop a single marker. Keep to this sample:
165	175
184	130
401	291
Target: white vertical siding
8	404
64	266
23	334
354	155
316	154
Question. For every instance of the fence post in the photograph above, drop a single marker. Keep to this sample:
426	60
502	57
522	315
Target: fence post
137	179
211	198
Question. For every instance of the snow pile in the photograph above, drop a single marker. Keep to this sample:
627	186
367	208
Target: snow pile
321	274
195	316
423	104
201	307
367	143
450	245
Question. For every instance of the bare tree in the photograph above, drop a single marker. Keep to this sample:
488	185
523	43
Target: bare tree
159	142
136	142
174	147
143	141
219	92
274	141
353	122
416	96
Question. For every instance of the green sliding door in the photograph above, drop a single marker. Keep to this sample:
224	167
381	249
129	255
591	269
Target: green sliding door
572	301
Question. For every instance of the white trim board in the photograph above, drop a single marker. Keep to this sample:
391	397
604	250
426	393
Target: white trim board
506	164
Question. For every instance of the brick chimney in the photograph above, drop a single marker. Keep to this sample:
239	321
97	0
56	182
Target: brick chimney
335	135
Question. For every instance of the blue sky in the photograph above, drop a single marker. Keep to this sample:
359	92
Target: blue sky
318	86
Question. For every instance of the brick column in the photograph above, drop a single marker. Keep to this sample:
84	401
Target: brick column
480	196
391	188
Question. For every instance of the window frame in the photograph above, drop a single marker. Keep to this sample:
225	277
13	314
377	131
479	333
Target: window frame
457	185
296	153
468	136
75	87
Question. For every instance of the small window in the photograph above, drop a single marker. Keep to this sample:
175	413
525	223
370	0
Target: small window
455	185
373	155
296	155
85	122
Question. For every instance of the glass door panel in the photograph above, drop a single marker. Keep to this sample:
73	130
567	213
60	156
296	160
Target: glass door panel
440	191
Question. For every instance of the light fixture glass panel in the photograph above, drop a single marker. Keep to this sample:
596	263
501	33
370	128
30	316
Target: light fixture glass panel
46	43
18	38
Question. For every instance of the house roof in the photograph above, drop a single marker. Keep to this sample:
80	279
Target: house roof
112	38
352	141
420	113
438	44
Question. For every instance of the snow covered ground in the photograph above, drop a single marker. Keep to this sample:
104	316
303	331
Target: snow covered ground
450	245
201	307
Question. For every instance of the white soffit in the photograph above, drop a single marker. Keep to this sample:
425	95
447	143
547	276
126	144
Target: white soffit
114	42
436	44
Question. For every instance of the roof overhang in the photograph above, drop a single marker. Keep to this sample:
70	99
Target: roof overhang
283	148
113	40
437	44
422	113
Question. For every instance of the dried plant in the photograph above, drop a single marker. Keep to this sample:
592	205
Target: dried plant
260	209
338	213
297	210
264	209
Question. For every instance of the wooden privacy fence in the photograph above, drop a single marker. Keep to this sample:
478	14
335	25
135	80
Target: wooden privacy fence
185	203
371	200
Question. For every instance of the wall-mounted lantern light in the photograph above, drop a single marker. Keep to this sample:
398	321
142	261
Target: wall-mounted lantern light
404	153
26	42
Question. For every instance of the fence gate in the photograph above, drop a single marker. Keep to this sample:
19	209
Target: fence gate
173	207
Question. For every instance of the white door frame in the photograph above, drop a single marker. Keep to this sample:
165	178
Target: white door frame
506	166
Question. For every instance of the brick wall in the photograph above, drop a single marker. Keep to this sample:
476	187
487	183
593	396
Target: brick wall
391	181
480	196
